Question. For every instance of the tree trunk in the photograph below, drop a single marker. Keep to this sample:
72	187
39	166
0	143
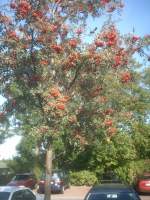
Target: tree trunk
48	170
37	170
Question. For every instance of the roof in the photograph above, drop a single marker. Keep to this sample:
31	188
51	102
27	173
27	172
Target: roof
111	187
10	188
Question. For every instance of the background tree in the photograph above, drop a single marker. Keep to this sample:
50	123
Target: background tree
24	161
126	103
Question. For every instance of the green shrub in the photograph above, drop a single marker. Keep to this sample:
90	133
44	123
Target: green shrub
129	172
83	178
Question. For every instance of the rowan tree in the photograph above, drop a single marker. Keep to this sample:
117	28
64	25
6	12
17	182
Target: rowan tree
52	79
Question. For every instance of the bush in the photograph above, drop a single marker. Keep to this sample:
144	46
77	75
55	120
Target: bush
129	172
83	178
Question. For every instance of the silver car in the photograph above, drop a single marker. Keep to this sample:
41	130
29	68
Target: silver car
16	193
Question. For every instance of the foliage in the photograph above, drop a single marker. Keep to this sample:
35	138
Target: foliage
141	137
83	178
121	155
23	162
131	170
108	155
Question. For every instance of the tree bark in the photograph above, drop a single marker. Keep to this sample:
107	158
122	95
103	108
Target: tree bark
36	169
48	166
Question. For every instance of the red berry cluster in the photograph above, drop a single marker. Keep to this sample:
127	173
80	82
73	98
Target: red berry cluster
57	48
73	43
126	77
71	61
23	8
99	43
37	14
12	35
120	58
104	2
58	100
108	122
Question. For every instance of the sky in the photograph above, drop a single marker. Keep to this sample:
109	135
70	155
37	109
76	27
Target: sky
8	149
136	15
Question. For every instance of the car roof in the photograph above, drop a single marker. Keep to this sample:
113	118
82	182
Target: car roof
111	187
28	173
11	188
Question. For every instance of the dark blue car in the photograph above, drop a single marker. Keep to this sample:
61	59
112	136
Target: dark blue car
112	191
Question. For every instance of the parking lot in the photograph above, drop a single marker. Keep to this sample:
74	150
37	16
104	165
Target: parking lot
76	193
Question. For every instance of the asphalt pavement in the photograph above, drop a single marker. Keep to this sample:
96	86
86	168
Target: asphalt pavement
63	197
41	197
76	193
145	197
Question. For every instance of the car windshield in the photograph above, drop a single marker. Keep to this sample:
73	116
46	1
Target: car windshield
112	196
4	195
55	174
20	177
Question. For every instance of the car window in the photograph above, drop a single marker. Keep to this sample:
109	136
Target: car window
18	195
112	196
21	177
57	173
28	195
4	195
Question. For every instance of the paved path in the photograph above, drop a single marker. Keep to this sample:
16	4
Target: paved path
145	197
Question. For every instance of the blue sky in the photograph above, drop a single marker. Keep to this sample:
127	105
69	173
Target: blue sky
136	14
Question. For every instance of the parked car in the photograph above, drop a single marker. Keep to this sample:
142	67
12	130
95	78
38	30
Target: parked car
59	182
26	179
16	193
112	191
143	183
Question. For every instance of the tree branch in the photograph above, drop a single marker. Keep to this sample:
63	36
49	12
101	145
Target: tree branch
75	77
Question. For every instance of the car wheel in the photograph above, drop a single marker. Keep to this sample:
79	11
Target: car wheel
62	190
